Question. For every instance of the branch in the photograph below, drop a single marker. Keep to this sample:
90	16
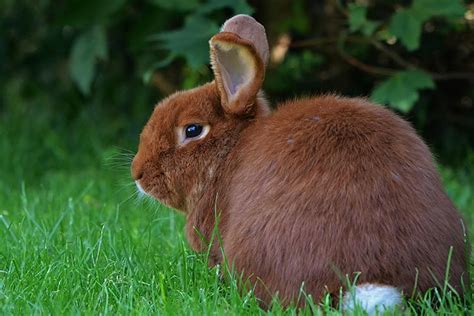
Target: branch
403	63
314	42
393	55
453	76
160	81
376	70
357	63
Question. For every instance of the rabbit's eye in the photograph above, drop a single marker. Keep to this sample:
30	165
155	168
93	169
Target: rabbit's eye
193	130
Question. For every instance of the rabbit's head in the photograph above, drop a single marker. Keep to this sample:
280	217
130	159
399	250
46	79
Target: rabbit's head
190	133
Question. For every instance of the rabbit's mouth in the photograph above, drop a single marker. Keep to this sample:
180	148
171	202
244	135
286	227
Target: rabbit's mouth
140	188
150	194
165	198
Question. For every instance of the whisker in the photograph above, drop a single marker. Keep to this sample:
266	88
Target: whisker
124	150
120	159
132	196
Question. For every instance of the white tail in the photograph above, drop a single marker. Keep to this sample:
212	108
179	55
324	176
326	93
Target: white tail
372	298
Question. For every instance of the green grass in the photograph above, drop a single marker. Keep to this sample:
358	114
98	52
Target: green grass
75	239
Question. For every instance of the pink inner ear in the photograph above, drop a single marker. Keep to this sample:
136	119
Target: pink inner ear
235	70
249	29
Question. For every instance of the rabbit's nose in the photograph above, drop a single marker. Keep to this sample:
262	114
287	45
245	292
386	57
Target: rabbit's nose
137	176
137	169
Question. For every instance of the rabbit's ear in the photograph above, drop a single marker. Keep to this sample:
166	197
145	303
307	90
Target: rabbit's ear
239	54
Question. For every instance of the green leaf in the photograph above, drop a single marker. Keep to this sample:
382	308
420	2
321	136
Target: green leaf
406	25
446	8
176	5
237	6
162	63
191	41
83	13
370	27
87	49
357	15
401	90
358	20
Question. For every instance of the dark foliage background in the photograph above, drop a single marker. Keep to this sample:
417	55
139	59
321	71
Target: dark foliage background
76	72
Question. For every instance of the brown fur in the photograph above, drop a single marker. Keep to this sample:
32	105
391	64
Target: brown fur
322	188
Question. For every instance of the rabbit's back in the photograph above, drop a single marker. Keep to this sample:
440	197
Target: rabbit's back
331	186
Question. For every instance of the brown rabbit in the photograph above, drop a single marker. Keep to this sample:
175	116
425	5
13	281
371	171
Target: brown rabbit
316	190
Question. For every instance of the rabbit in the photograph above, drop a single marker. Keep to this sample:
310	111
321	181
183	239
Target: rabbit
304	195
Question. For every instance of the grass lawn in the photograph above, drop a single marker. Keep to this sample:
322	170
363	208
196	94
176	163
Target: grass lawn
74	238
